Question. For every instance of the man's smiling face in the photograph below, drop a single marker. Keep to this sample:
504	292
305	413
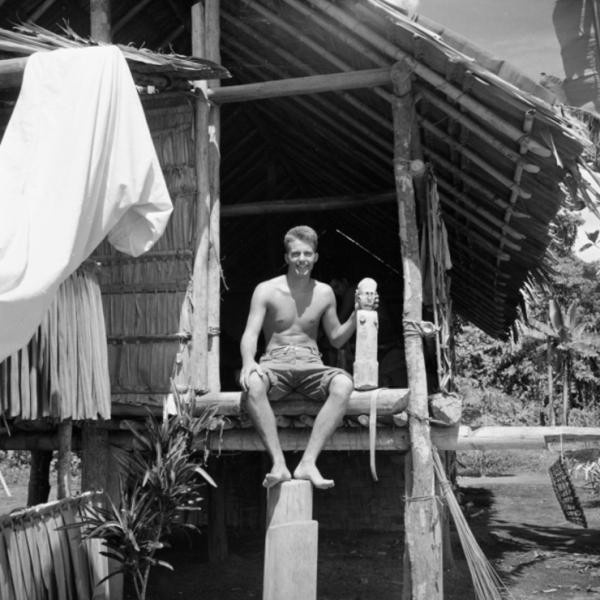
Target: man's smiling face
300	258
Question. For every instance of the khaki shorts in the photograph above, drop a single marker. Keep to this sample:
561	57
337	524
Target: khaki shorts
298	369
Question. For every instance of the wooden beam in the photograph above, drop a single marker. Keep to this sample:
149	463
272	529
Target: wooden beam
390	439
389	401
319	204
100	27
421	516
300	85
460	438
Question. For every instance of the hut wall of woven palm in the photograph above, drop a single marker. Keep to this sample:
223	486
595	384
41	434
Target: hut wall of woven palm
502	153
143	297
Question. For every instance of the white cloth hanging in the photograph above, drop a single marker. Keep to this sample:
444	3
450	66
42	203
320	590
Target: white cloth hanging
77	163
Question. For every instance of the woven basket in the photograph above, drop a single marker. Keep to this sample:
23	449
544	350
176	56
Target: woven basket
565	493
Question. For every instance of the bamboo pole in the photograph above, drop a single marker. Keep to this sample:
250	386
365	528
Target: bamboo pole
318	204
421	513
100	29
295	86
213	52
199	353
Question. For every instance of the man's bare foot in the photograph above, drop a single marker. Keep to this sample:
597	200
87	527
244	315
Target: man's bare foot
308	470
277	475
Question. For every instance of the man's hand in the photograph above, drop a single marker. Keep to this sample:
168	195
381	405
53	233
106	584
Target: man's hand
246	371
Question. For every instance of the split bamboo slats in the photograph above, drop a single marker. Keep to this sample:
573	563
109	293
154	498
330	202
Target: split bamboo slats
143	297
63	372
437	264
40	560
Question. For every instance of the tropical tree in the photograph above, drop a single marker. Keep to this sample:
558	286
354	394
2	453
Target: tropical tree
566	341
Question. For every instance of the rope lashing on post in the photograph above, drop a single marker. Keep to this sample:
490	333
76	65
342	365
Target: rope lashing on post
417	417
423	498
422	329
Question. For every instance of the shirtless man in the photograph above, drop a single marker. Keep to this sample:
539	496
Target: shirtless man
289	309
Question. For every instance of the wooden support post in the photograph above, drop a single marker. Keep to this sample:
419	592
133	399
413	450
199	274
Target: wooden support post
39	477
291	544
421	512
199	354
63	464
94	457
217	524
205	363
212	52
100	29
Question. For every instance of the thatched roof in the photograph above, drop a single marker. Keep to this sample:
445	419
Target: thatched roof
501	153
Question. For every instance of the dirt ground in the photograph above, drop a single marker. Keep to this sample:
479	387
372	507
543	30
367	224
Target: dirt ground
516	520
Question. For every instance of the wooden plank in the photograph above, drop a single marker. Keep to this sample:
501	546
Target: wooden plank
295	86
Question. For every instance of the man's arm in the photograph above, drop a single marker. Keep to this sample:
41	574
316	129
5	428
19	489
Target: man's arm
249	342
337	333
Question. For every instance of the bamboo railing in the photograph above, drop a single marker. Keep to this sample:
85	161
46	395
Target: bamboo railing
41	559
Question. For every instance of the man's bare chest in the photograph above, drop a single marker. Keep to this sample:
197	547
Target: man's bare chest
302	310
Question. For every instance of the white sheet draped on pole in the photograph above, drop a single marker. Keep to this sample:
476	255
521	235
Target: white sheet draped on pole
77	163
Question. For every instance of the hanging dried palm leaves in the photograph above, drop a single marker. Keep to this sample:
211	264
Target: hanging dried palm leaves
63	372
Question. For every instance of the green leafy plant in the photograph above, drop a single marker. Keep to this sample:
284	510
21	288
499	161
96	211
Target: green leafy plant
162	479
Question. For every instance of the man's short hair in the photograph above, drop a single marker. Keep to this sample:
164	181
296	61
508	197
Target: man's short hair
304	233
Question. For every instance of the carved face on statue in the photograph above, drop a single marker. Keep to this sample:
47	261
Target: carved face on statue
366	293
